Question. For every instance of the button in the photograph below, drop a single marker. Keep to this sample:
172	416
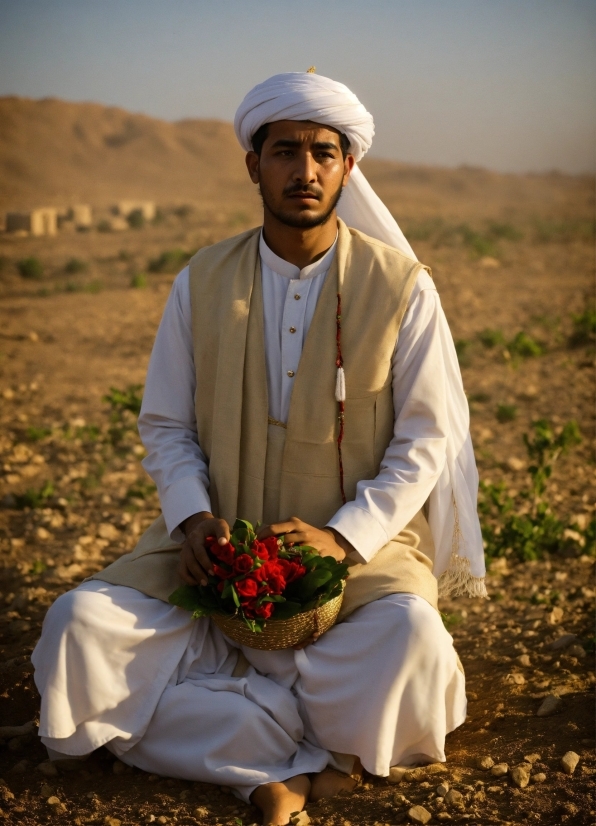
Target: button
297	297
291	373
292	329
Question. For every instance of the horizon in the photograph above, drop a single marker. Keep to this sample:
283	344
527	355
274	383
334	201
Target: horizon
507	86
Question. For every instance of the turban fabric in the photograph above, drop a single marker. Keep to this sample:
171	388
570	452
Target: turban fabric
305	96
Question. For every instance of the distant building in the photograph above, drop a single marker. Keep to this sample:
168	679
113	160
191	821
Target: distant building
146	208
42	221
82	216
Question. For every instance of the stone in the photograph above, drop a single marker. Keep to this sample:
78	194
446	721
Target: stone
300	819
562	642
435	768
555	616
523	660
520	777
114	821
108	531
540	777
200	812
531	758
576	651
454	798
514	678
569	762
500	770
56	804
21	767
150	819
396	774
46	791
485	763
549	706
162	819
401	800
442	788
418	814
443	816
119	767
48	769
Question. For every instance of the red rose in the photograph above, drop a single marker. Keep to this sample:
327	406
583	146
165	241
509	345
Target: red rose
243	564
221	572
260	549
264	611
291	569
271	574
247	588
225	553
272	545
249	606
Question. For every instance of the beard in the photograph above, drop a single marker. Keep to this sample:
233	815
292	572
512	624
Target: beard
299	220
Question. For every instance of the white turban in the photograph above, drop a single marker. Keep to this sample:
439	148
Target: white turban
306	96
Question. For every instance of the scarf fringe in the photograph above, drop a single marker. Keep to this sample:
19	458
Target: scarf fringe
458	581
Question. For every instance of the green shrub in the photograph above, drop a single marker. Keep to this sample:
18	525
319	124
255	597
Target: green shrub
524	346
170	261
492	338
35	498
480	244
584	328
183	211
136	219
30	268
104	226
524	525
121	400
506	413
75	266
564	231
138	281
462	349
507	232
35	434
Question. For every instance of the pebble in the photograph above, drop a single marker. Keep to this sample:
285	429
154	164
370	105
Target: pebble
300	819
577	651
531	758
569	762
514	678
121	768
108	531
418	814
520	777
538	778
500	770
200	812
549	706
555	616
454	798
113	821
396	774
21	767
562	642
524	660
443	816
46	791
150	819
442	788
48	769
485	763
56	804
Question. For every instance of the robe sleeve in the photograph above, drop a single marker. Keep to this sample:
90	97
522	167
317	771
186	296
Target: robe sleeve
416	455
167	423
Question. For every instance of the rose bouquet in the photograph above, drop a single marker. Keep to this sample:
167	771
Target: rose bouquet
255	581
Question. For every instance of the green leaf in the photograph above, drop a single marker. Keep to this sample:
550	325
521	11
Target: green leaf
285	610
187	597
235	596
305	588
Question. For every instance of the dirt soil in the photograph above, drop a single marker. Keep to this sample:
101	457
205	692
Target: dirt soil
73	497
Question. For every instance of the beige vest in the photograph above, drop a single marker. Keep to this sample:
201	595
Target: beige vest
375	282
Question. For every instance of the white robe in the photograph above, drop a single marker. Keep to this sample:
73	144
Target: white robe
117	668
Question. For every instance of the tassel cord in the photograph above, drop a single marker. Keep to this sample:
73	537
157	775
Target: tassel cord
340	396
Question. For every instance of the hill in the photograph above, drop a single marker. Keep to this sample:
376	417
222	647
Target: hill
53	152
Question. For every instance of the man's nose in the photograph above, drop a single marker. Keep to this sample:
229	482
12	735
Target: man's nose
305	169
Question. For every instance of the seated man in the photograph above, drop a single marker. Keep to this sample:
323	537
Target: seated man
303	376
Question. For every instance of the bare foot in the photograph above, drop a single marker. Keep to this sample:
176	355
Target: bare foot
330	782
278	801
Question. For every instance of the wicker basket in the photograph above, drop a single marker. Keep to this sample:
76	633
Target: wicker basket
281	633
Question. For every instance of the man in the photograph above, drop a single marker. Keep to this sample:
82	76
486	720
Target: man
303	375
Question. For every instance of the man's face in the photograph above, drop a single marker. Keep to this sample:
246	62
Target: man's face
301	172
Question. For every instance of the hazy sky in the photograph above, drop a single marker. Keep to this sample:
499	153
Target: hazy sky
506	84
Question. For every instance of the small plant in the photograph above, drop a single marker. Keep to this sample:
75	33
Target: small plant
491	338
480	244
125	408
506	413
104	226
183	211
75	266
35	498
507	232
584	328
35	434
524	346
30	268
524	524
136	219
170	261
138	281
462	350
141	490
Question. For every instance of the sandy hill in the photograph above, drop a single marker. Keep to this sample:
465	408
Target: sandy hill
54	152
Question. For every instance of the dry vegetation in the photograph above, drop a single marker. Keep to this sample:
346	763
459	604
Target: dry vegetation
511	255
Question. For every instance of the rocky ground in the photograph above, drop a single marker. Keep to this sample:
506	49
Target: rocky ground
74	496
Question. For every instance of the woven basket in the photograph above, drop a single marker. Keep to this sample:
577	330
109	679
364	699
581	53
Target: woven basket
281	633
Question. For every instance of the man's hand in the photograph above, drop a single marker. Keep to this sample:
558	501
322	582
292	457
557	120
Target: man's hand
194	559
328	542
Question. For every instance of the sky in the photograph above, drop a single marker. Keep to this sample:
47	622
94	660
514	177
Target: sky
505	84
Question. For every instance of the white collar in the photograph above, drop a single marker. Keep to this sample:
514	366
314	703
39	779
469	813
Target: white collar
290	271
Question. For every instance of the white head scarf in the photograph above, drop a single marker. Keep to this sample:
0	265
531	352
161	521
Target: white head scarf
306	96
459	553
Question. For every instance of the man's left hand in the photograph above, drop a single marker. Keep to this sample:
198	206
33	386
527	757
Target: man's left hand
326	541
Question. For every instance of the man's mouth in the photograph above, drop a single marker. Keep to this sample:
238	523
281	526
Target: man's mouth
304	195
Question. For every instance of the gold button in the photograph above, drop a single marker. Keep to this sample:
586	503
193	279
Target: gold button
292	329
297	297
291	373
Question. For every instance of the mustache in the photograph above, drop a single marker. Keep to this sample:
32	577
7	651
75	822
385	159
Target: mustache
303	189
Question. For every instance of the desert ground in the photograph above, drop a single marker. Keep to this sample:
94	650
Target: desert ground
510	255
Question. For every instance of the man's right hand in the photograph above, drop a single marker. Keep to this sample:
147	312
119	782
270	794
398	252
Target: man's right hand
194	559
